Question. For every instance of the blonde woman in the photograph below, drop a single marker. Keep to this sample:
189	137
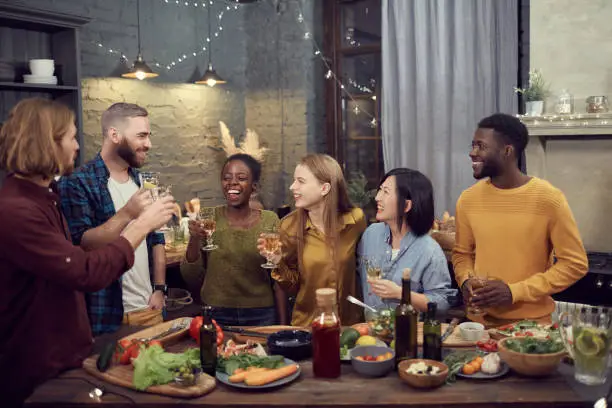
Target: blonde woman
319	240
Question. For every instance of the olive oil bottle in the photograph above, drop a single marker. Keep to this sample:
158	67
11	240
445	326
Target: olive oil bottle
432	334
208	343
405	324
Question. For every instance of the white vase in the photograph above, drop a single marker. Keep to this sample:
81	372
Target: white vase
534	108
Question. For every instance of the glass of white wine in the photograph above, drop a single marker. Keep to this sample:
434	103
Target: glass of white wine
150	182
373	265
272	245
209	225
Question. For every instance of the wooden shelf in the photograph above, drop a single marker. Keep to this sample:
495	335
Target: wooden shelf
37	87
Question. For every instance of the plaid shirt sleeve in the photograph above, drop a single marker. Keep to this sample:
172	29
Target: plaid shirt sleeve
76	206
155	238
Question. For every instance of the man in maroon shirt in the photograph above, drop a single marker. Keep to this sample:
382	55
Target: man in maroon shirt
43	321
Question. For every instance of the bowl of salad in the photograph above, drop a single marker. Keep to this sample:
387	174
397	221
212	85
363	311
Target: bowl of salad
532	356
382	323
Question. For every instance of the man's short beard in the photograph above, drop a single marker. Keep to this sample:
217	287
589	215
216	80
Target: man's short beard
128	155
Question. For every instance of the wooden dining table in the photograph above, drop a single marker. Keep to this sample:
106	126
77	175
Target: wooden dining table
72	389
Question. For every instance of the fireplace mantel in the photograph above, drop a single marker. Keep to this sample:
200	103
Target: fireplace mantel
581	124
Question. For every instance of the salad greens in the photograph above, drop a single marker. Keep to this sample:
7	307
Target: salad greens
155	367
532	345
383	323
230	364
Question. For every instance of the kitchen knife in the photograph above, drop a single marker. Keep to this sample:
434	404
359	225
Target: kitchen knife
449	329
244	332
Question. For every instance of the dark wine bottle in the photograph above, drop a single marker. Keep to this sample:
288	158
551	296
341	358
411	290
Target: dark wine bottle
432	334
208	343
405	324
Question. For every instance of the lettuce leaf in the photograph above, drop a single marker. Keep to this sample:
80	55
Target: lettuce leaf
154	366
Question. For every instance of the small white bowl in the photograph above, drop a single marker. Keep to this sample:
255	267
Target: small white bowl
42	67
471	331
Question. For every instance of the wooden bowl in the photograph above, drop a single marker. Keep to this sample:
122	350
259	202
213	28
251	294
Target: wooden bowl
423	380
531	365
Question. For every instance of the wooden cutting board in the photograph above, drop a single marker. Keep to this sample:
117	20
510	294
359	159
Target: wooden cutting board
160	328
454	340
239	338
122	375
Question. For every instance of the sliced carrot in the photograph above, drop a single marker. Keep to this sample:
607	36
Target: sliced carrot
240	377
256	369
263	378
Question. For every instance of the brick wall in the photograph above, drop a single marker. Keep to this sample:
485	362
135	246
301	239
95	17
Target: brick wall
275	85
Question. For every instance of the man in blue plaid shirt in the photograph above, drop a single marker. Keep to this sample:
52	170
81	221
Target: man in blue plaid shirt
99	200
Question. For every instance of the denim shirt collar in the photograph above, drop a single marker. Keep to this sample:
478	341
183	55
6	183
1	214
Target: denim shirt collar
405	243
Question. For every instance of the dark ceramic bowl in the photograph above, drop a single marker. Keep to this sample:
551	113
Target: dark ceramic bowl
293	344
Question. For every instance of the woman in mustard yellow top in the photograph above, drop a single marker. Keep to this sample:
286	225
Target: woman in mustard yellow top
319	240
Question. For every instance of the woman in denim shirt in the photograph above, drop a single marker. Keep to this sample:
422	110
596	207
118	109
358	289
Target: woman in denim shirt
405	211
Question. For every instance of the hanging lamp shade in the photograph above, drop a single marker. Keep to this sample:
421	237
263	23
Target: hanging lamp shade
210	77
140	70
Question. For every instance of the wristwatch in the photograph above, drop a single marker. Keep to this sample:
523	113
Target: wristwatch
163	287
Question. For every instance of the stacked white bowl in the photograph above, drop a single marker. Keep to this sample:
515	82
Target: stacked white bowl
42	72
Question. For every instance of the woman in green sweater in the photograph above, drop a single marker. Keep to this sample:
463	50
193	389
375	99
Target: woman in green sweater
234	284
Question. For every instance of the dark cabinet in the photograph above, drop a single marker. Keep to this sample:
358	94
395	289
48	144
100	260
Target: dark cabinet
27	33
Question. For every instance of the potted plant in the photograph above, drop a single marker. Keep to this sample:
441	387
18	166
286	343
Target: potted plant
534	94
359	194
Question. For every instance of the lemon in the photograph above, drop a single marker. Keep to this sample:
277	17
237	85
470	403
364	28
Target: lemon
148	185
589	343
392	345
366	341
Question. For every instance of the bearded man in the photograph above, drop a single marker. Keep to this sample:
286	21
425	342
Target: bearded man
99	200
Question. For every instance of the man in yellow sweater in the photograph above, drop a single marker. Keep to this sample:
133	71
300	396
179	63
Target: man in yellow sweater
509	225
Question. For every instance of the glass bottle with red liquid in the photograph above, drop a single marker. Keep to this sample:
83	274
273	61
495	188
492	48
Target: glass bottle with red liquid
326	336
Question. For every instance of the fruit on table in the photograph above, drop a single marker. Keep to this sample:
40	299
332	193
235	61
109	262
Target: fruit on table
349	337
382	357
473	366
366	341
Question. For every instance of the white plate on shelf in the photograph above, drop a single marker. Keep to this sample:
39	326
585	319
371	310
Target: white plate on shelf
32	79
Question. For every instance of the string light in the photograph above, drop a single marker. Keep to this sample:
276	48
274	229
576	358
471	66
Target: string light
331	75
196	4
184	56
584	120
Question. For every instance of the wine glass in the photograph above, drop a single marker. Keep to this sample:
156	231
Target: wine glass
150	182
209	224
373	266
476	282
272	245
